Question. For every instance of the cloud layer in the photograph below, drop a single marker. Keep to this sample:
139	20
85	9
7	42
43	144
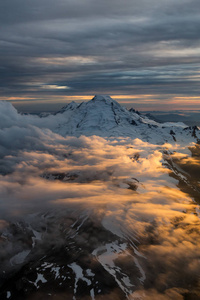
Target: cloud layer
123	183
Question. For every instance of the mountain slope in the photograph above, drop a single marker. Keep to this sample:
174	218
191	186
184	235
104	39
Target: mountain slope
101	116
105	117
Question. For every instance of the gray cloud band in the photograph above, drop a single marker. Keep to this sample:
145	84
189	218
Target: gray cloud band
80	45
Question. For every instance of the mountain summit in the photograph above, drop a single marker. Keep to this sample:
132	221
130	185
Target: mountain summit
101	116
105	98
105	117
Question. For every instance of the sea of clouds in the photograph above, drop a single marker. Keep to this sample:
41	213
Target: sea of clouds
124	181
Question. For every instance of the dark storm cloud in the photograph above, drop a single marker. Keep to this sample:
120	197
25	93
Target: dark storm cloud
92	46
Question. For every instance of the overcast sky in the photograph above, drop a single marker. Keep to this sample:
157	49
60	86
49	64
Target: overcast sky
144	52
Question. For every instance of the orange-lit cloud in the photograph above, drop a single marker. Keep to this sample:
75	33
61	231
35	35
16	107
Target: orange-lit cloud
134	196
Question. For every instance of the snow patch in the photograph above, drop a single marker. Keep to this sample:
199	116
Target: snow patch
19	258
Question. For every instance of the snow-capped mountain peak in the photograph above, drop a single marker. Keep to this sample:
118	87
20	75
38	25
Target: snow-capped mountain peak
105	117
104	99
